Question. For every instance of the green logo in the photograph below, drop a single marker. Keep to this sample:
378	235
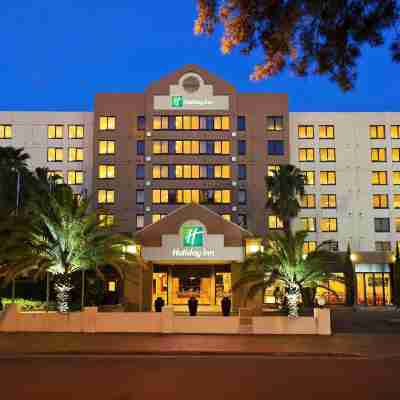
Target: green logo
193	236
177	101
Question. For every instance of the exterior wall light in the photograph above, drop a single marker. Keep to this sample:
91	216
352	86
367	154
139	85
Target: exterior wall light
253	246
353	257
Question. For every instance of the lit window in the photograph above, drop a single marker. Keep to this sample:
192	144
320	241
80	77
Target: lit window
106	220
225	147
308	201
160	172
328	201
327	177
160	196
105	196
380	178
58	175
397	226
326	132
396	201
5	131
75	177
222	196
378	155
225	123
396	155
377	131
160	147
157	217
274	222
55	154
327	154
272	170
226	217
380	201
395	131
308	223
328	225
305	131
55	131
139	221
75	154
306	154
107	123
76	131
112	286
106	171
383	246
106	147
309	177
382	224
309	246
396	177
274	123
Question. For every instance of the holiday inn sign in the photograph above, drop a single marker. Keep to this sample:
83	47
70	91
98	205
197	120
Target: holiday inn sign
180	102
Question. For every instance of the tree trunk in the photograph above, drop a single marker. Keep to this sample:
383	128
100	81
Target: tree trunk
63	287
293	297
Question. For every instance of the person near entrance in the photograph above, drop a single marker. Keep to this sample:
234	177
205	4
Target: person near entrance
159	303
192	304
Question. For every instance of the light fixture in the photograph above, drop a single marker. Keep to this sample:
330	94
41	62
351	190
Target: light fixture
353	257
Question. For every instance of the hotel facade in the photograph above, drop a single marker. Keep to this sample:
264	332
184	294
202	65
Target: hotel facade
181	167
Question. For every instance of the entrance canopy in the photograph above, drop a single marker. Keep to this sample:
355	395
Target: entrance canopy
193	234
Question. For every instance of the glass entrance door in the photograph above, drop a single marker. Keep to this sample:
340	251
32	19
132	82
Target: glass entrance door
373	289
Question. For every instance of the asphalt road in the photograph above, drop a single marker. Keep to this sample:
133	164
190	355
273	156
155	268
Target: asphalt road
197	377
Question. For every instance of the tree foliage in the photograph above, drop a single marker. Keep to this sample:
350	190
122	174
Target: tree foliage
323	37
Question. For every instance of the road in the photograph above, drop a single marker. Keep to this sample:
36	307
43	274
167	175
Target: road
197	377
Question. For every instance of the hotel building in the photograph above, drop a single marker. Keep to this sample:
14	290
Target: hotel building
181	168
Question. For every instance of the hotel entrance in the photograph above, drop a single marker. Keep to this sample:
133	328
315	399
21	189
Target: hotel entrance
175	284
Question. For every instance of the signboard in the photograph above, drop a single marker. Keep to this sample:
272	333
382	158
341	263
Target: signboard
181	102
192	236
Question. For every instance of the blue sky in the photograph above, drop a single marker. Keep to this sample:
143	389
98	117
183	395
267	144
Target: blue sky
57	54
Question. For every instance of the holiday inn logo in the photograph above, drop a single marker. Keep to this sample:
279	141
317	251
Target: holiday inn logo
177	101
193	236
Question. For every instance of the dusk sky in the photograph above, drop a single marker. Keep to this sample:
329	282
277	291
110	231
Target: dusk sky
57	54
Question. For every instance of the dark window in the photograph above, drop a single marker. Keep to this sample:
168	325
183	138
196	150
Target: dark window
242	220
171	147
275	123
242	172
210	171
139	221
140	171
139	196
242	196
241	123
382	224
140	147
241	147
210	147
275	148
141	122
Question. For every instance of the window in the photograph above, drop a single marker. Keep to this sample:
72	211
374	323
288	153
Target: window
220	171
328	201
185	196
191	122
140	171
306	154
308	201
327	177
226	217
275	148
241	147
397	226
309	246
76	131
106	220
160	147
140	147
396	201
395	131
274	222
55	154
141	123
157	217
57	175
379	178
160	196
5	131
241	123
333	245
275	123
106	171
309	177
222	196
75	154
139	196
242	220
75	177
55	131
105	196
242	196
107	123
396	155
382	224
378	155
377	131
305	131
139	221
326	132
383	246
380	201
308	223
272	170
328	225
242	171
106	147
396	177
160	172
327	154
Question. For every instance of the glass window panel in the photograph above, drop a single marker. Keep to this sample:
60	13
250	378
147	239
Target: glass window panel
225	123
396	155
179	122
187	122
395	131
225	147
195	123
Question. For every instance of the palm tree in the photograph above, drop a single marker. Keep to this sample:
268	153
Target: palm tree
284	187
284	260
61	237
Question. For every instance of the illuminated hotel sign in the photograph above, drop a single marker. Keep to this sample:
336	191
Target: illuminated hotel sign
181	102
193	236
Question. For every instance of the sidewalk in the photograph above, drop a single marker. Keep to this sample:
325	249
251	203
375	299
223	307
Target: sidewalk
342	345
